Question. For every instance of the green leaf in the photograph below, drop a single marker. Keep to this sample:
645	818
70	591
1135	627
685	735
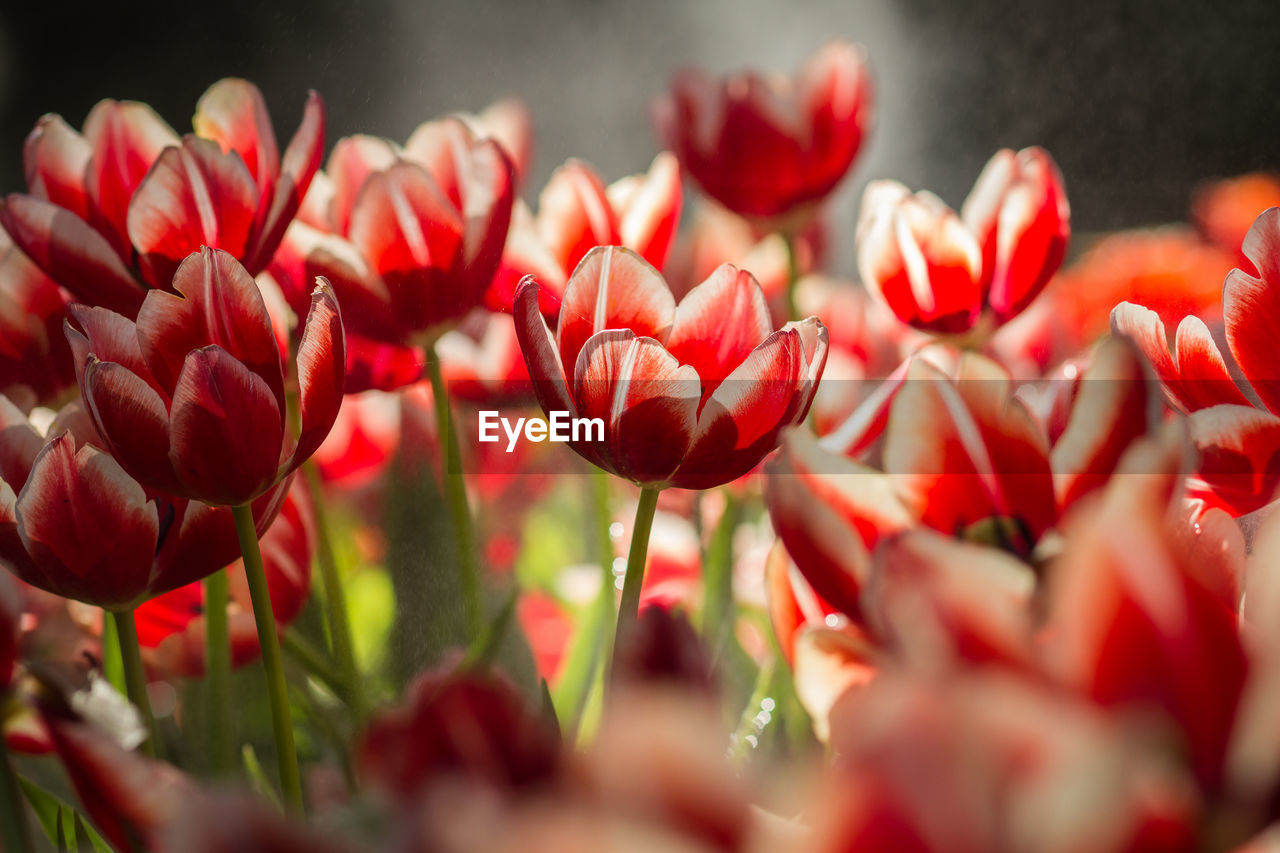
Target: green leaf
482	651
67	819
257	776
46	806
62	824
98	843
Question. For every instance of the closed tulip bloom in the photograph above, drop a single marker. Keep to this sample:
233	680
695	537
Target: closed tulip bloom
943	273
74	523
113	211
191	398
766	146
692	395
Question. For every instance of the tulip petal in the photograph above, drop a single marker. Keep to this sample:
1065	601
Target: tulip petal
740	422
1195	374
19	445
132	799
233	114
613	288
574	214
718	324
126	138
939	602
648	207
412	236
550	382
108	337
55	158
828	511
1251	313
87	525
193	197
967	451
71	253
226	429
322	362
1134	628
217	302
1239	454
1019	214
132	421
297	170
648	403
1112	410
353	160
487	199
829	663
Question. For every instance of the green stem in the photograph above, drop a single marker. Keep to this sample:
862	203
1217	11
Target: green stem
335	595
14	833
272	662
717	613
629	606
135	675
604	553
217	668
793	273
455	487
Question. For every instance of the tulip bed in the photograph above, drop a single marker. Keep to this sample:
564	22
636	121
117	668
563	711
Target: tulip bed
971	553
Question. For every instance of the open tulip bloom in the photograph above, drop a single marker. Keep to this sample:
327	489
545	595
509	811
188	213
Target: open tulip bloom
112	212
691	395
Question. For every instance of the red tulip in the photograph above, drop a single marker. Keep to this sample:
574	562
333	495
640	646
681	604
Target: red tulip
691	396
191	398
114	212
963	457
73	523
410	237
1133	623
576	213
33	352
985	761
766	147
171	627
463	726
1238	439
941	273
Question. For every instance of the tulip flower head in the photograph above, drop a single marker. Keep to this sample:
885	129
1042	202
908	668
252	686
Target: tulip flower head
769	148
74	523
190	398
692	395
112	212
943	273
1234	413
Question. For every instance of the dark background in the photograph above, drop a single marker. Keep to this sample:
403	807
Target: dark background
1137	101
